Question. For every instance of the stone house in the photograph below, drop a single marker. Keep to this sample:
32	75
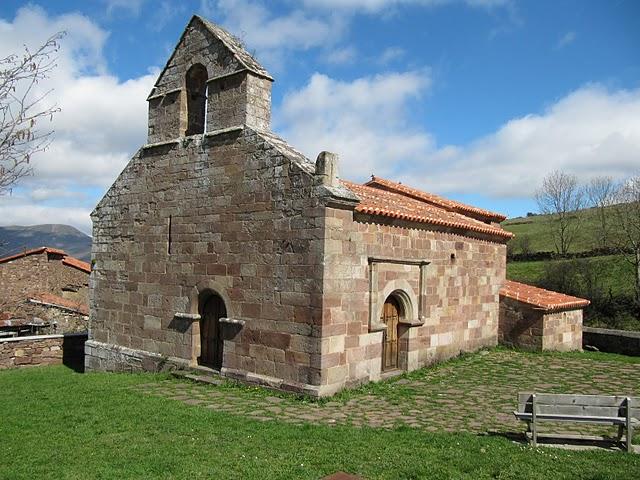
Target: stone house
43	290
220	246
539	319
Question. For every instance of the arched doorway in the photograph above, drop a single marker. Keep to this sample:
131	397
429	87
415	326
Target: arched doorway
211	311
390	317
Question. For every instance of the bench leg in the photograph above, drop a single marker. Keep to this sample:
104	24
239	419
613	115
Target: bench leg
629	438
620	432
534	434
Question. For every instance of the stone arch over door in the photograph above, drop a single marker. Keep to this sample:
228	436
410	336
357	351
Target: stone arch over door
197	299
391	313
404	294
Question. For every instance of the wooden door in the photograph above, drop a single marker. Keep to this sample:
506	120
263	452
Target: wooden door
390	317
210	337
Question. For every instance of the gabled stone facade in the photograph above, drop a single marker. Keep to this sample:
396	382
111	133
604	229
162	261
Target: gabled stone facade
220	246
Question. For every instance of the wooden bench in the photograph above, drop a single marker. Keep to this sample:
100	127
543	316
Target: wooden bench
603	409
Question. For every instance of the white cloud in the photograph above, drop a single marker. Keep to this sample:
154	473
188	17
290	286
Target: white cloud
375	6
132	7
364	120
270	35
102	121
592	131
342	55
390	54
21	211
566	39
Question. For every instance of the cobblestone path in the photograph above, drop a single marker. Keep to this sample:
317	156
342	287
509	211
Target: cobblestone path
476	393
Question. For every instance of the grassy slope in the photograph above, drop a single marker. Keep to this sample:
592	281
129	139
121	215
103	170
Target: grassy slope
62	425
617	274
538	229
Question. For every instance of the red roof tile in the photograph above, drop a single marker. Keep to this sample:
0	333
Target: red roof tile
79	264
541	298
376	201
436	200
67	260
57	301
24	253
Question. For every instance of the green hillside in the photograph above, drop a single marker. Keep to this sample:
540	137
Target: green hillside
538	229
607	280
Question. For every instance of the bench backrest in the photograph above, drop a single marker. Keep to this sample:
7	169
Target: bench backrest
583	405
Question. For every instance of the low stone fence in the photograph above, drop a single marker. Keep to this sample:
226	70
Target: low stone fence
612	341
39	350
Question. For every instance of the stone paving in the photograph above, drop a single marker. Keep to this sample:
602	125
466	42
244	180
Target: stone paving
473	394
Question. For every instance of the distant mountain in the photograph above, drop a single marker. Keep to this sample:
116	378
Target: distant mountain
13	239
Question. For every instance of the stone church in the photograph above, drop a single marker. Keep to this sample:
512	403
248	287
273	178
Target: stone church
222	247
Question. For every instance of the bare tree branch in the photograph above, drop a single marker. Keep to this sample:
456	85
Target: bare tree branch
601	193
627	212
561	196
22	110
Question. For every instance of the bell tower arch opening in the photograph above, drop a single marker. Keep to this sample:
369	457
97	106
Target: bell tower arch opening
196	93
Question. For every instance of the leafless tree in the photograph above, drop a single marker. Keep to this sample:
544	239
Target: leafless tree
23	109
561	196
627	214
601	193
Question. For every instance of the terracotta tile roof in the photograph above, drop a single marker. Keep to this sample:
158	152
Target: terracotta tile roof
377	201
79	264
24	253
436	200
51	299
541	298
66	260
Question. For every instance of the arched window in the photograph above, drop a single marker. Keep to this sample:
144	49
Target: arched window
196	84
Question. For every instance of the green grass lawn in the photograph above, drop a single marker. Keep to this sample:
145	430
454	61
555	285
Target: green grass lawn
63	425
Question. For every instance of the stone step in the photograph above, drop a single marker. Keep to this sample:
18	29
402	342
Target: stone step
210	379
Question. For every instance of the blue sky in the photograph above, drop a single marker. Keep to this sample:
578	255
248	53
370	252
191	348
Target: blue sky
473	99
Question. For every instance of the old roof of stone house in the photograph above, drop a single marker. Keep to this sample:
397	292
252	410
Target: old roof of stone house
49	299
390	199
385	198
540	298
66	259
436	200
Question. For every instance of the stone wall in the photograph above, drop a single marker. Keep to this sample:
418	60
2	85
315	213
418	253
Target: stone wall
244	223
448	285
520	325
37	273
536	329
563	330
612	341
61	320
31	351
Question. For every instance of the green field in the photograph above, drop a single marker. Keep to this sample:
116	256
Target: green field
61	425
608	281
538	229
616	274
